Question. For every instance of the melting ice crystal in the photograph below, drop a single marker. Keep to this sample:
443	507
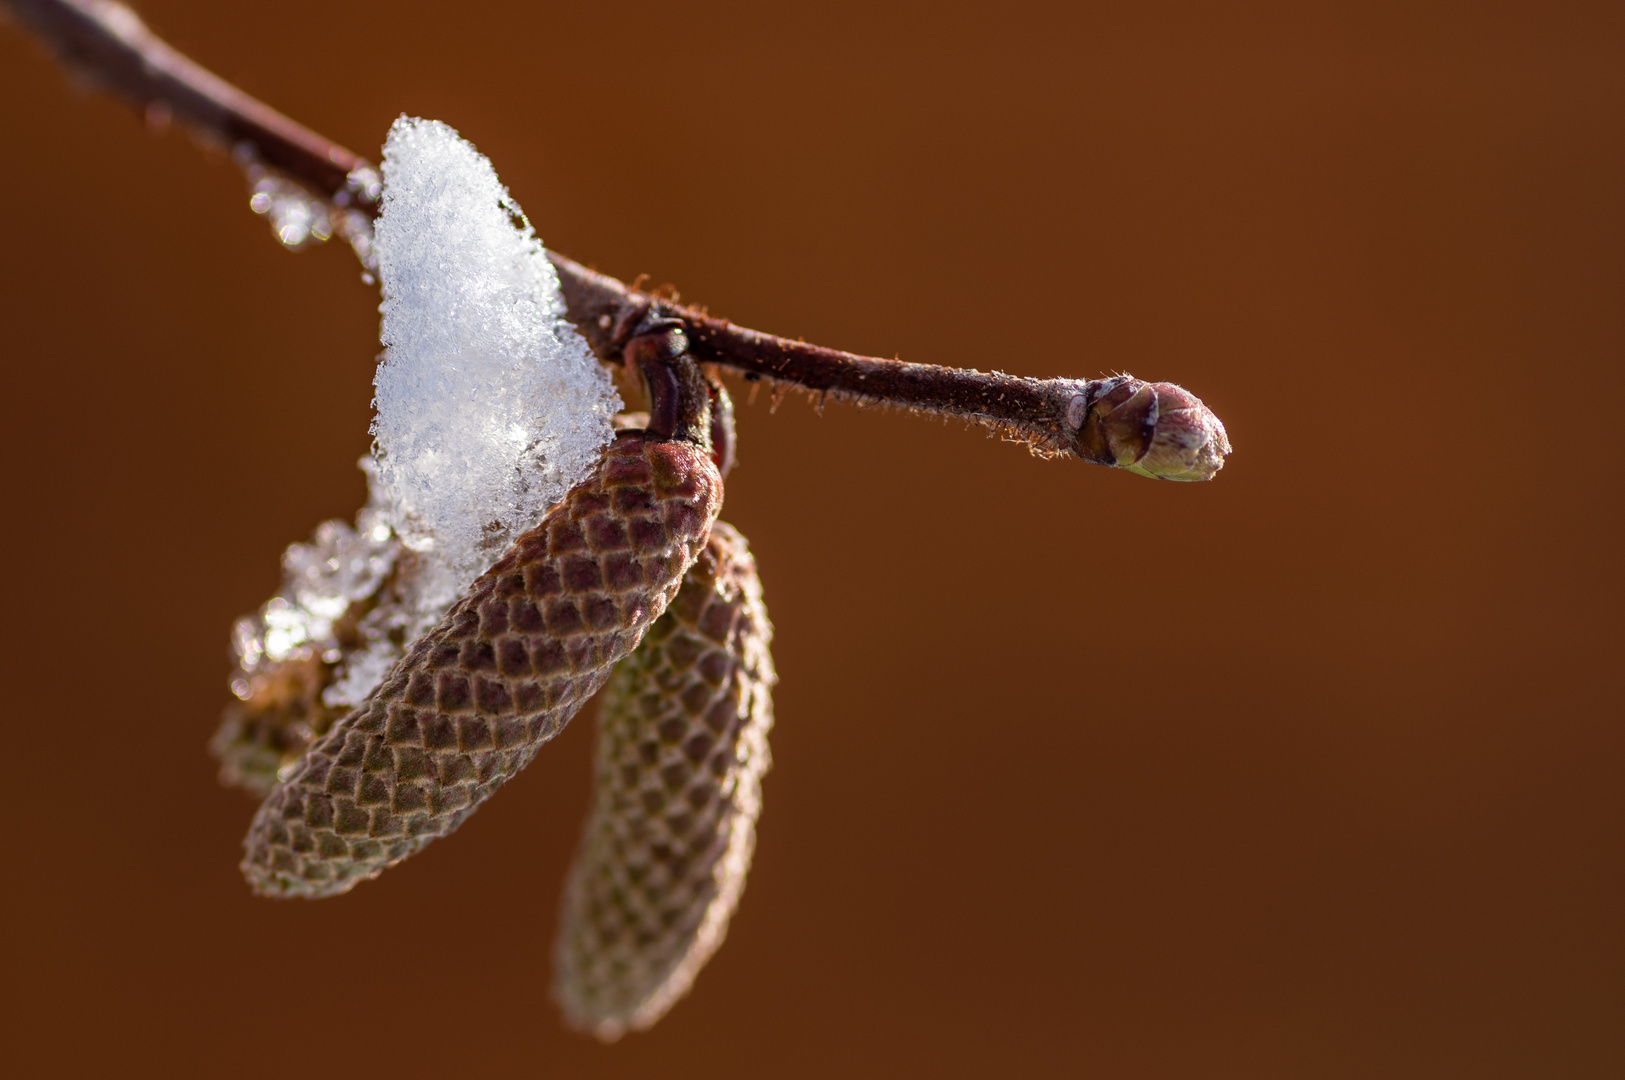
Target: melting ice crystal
348	605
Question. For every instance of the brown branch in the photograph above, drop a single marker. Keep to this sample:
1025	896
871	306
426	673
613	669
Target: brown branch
110	45
1029	409
1153	428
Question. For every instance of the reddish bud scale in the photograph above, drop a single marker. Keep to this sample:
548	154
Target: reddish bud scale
502	673
682	746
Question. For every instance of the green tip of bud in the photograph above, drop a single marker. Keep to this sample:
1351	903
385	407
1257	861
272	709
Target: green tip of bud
1154	429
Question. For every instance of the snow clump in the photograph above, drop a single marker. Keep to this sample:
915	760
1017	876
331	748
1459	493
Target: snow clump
489	404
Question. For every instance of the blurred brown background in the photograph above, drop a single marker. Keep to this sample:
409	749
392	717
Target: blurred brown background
1313	771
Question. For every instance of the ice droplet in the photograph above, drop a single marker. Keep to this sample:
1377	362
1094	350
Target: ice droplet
299	217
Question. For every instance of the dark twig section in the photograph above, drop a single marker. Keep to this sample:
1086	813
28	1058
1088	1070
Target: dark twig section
1156	429
1032	410
108	44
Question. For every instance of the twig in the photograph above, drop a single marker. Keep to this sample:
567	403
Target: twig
1153	428
110	45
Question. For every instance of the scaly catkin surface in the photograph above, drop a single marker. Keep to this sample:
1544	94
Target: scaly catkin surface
682	746
505	670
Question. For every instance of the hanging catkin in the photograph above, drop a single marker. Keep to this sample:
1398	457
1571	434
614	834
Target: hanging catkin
682	746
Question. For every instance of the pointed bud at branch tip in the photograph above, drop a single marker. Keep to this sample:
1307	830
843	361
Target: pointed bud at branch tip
1154	429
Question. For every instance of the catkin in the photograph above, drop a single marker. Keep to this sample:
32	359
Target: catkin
502	673
682	746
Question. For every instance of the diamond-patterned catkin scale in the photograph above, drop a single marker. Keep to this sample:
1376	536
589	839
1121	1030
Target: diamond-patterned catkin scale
682	746
502	673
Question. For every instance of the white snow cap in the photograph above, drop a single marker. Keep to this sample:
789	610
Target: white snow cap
489	405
